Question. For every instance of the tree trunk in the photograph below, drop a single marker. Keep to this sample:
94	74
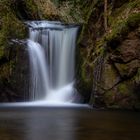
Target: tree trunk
105	15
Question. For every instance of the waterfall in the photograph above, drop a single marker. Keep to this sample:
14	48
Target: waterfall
97	74
51	47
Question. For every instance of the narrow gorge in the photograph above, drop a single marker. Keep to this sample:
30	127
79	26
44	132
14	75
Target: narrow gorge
107	56
69	69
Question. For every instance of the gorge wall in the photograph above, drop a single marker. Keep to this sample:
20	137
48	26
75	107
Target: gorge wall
108	60
109	75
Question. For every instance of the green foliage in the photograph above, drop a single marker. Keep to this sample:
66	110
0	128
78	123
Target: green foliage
134	4
32	9
10	26
123	27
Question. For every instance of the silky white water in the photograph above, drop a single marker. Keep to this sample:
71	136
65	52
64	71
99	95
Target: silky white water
51	47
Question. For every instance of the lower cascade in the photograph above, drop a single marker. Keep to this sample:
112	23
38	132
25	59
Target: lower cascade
51	47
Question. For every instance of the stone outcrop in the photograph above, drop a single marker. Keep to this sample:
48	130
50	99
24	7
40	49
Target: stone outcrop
118	83
121	73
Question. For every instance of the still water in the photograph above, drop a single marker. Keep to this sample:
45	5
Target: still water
47	123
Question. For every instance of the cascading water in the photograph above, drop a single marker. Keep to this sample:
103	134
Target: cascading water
51	47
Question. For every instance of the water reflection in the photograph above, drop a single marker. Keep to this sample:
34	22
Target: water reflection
67	124
51	125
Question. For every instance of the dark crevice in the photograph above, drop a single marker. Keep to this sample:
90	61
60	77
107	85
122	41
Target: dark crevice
21	10
3	61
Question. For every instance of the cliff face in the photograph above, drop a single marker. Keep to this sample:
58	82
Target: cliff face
108	65
10	27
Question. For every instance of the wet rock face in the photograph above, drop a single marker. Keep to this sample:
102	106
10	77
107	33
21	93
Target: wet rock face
14	76
126	57
127	70
121	74
128	50
121	46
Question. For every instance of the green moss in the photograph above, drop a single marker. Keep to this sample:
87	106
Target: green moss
13	27
117	95
100	50
100	43
136	78
134	4
86	71
121	21
123	88
10	26
122	68
133	20
85	80
123	12
32	8
84	87
123	27
109	98
120	30
87	9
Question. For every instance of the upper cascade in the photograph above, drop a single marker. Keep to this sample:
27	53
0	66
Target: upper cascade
54	25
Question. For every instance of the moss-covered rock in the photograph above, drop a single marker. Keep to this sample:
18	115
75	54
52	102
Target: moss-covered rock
110	76
127	70
122	28
121	62
123	96
12	77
